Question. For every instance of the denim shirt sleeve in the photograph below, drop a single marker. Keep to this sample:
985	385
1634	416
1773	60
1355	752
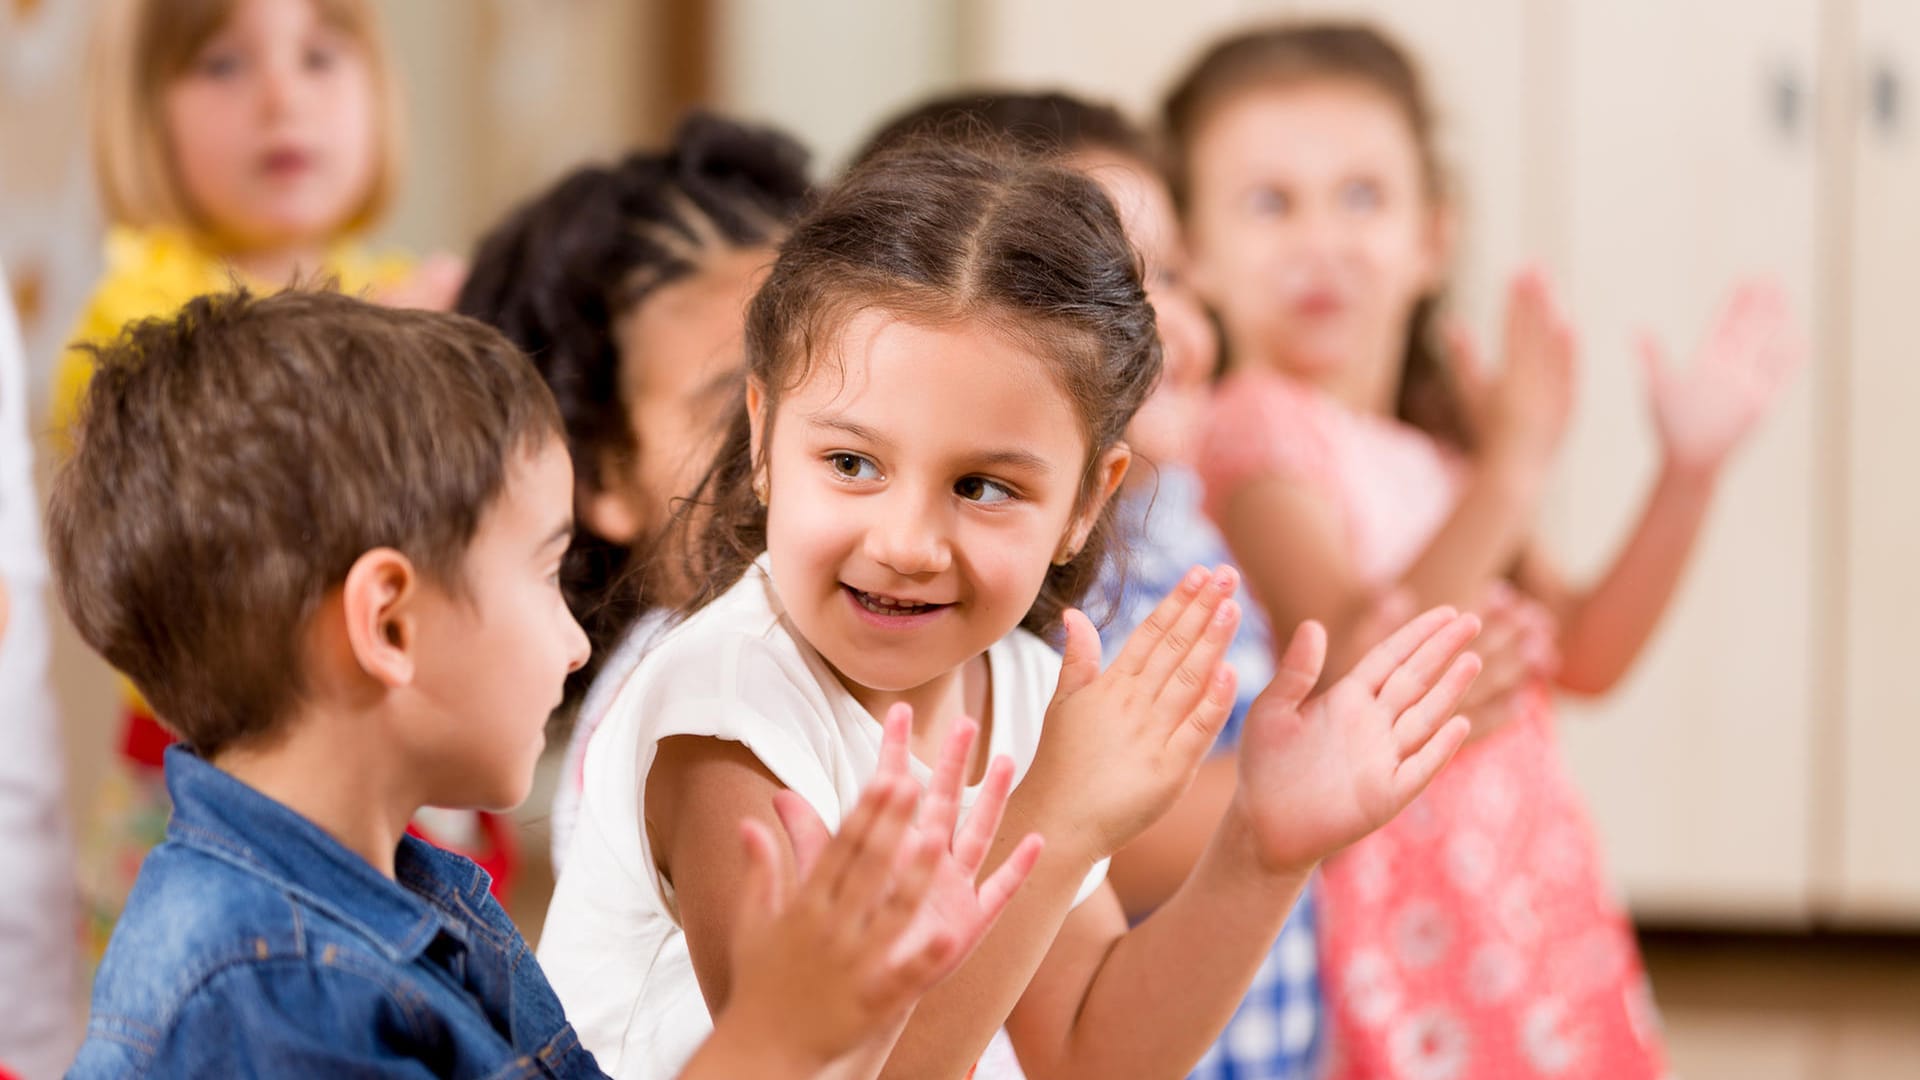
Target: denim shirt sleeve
271	1019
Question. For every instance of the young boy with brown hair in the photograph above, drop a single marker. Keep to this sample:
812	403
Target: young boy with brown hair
323	538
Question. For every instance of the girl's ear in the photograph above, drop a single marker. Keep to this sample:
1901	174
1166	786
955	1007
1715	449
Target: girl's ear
379	601
1109	471
756	423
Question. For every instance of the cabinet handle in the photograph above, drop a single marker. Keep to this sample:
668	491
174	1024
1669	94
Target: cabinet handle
1786	101
1884	98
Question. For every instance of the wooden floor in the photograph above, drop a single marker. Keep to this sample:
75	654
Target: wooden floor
1789	1007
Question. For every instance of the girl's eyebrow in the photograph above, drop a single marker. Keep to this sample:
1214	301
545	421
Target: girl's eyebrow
858	431
1004	457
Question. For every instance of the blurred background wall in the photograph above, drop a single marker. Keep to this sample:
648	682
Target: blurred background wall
1758	773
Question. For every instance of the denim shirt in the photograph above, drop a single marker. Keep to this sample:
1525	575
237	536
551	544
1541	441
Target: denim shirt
254	944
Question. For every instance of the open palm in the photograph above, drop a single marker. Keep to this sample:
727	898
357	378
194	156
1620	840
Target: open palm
1704	412
1317	775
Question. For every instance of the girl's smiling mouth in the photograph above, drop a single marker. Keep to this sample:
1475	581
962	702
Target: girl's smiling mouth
892	612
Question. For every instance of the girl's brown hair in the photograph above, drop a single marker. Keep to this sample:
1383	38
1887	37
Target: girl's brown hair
142	46
1353	53
944	233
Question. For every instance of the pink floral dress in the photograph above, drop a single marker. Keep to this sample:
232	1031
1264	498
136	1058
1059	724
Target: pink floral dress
1475	936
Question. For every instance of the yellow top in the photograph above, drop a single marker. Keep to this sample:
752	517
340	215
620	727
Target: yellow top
152	272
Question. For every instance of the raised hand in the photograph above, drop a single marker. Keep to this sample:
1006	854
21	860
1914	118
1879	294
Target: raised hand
434	285
1317	775
1704	412
1518	644
883	911
1525	409
1120	745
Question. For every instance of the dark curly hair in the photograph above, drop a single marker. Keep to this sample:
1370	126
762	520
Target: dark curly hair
944	231
562	268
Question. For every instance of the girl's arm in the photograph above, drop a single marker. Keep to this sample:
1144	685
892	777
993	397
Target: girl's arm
818	979
1313	778
1702	416
1290	540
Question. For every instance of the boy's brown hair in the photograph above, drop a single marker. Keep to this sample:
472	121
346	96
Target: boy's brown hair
231	463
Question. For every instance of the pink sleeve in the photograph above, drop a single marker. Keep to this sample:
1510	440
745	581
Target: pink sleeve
1260	426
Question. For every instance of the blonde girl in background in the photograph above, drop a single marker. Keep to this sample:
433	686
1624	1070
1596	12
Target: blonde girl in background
249	141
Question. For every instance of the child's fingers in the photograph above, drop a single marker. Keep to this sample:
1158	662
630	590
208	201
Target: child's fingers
882	793
1419	769
975	836
910	885
941	807
1006	880
895	733
805	831
1383	659
1411	680
874	852
1299	670
1197	728
1412	728
904	978
1188	631
1080	662
1145	638
763	893
1186	685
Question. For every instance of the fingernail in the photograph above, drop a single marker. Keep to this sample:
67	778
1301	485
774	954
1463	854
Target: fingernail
1226	613
1194	577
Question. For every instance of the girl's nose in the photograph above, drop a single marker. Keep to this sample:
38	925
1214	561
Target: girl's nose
909	537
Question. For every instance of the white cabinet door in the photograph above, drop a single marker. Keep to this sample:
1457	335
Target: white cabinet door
1687	157
1879	874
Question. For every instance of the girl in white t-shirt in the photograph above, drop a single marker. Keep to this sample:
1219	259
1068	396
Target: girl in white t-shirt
940	367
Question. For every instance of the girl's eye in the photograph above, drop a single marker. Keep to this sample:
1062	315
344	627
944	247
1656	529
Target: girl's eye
1268	200
853	467
1361	195
218	64
321	58
981	490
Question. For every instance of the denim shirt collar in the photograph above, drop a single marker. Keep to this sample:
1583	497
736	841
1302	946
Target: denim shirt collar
215	813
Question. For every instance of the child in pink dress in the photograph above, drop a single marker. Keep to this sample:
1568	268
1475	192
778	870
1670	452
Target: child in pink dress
1476	936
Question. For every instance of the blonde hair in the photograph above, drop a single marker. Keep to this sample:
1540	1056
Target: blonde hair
141	46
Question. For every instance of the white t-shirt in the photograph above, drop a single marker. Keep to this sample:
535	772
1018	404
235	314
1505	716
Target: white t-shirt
593	709
736	670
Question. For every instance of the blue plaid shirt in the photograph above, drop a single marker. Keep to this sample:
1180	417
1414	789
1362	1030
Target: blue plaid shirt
1275	1035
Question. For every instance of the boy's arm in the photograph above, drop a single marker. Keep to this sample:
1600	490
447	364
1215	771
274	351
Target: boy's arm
259	1020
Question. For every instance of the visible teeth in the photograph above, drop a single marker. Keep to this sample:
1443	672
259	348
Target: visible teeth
886	605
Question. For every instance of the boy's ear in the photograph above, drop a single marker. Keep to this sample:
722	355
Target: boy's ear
378	603
1108	471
